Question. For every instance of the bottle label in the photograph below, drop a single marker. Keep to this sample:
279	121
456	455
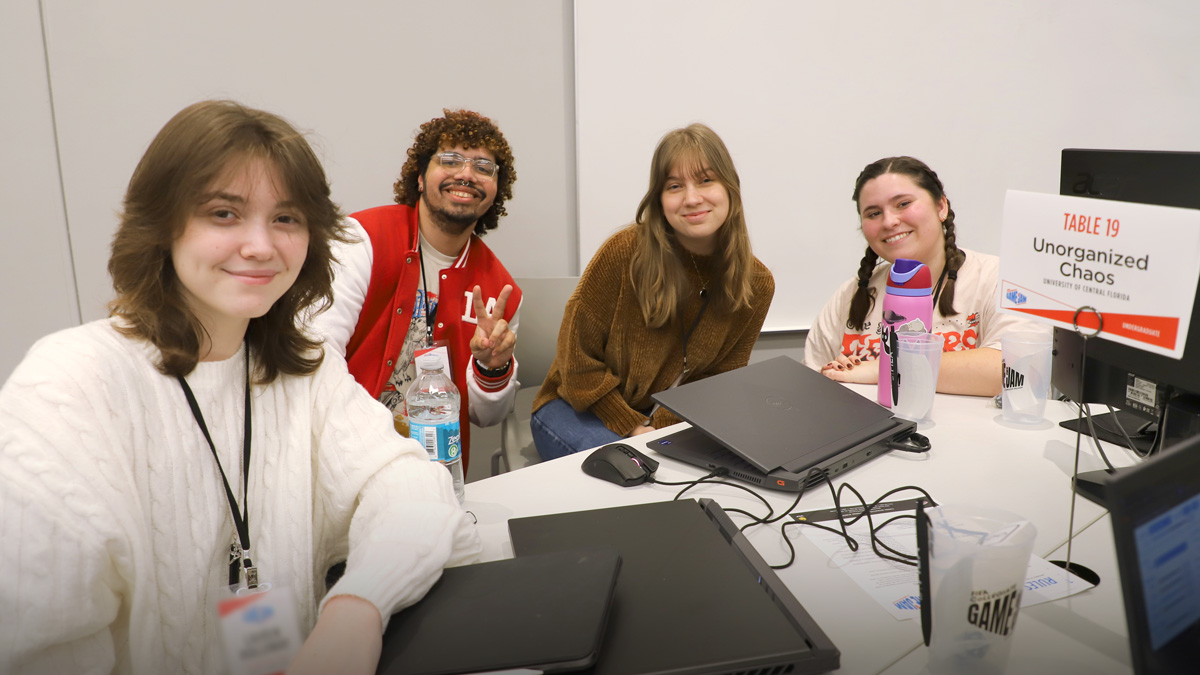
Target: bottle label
442	441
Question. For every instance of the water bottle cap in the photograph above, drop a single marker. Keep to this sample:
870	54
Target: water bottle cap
910	278
430	361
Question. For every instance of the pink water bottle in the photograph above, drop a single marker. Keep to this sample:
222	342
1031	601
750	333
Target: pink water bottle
907	306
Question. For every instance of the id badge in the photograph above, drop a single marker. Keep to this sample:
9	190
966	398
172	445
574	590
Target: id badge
439	347
260	630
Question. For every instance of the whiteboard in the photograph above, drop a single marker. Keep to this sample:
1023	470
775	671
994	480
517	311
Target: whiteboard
805	94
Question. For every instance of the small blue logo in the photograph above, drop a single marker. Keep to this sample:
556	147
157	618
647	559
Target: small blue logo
664	442
259	613
1015	297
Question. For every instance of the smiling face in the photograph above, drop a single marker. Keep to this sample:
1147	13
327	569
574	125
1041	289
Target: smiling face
901	220
456	198
241	249
696	205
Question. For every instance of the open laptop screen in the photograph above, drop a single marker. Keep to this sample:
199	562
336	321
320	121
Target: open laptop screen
1156	528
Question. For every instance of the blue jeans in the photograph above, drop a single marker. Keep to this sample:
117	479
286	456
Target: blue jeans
559	431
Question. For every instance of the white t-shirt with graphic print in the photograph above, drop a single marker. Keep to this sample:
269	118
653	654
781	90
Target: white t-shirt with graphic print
433	262
978	323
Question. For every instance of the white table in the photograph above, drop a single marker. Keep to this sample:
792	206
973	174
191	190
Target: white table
975	458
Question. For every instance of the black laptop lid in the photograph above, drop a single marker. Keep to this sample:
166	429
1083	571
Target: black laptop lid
778	413
543	612
689	600
1155	510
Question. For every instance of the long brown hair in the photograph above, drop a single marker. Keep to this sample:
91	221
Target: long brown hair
656	267
198	146
926	179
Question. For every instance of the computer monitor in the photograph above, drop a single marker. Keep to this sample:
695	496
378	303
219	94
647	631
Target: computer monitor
1155	510
1153	393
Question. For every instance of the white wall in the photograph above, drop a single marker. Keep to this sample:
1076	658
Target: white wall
37	285
987	93
807	93
362	75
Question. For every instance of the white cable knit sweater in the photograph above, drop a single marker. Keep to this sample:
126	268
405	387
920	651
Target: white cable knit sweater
115	528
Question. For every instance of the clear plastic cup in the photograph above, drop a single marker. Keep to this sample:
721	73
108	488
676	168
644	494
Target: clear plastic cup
1026	376
978	559
919	358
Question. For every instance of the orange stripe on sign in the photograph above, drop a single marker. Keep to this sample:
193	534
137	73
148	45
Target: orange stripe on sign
1160	331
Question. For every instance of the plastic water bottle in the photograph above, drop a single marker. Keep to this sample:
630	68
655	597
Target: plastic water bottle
433	403
907	306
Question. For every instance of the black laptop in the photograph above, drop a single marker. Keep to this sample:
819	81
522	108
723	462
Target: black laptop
546	613
693	598
772	422
1155	509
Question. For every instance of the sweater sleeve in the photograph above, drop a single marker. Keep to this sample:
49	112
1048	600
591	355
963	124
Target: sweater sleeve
824	340
587	382
62	501
379	494
351	279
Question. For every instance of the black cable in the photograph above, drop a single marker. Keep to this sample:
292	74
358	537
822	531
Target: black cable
899	557
1128	440
709	480
819	475
1087	413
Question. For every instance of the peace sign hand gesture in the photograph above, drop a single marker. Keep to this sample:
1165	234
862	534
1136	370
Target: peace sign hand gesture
493	342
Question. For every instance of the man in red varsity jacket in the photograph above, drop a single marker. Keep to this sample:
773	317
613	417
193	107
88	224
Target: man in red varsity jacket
419	274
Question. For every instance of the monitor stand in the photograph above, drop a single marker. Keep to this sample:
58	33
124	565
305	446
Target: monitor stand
1092	484
1142	433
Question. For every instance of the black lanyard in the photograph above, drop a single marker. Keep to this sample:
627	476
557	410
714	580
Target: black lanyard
239	551
430	315
687	333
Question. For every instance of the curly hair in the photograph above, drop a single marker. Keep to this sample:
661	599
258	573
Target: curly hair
656	268
200	145
926	179
469	130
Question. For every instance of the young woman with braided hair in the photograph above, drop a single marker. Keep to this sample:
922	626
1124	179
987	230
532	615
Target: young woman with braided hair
904	213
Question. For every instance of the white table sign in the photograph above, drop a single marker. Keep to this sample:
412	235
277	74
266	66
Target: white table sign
1136	265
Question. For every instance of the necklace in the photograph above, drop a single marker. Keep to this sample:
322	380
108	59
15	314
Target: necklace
703	281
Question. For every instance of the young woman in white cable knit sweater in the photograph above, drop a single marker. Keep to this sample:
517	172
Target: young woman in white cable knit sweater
138	451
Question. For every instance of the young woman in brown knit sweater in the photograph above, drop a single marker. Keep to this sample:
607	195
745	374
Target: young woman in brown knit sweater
675	297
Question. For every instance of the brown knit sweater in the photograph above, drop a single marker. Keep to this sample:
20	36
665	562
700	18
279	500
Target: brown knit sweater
608	361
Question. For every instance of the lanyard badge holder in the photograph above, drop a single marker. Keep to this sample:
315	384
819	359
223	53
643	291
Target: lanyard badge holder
239	550
429	344
259	628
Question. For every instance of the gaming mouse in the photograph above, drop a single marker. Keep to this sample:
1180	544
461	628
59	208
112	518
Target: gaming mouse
621	464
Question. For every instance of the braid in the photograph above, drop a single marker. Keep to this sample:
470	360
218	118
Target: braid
864	297
954	261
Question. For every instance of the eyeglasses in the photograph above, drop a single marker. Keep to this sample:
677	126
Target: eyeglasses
483	168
